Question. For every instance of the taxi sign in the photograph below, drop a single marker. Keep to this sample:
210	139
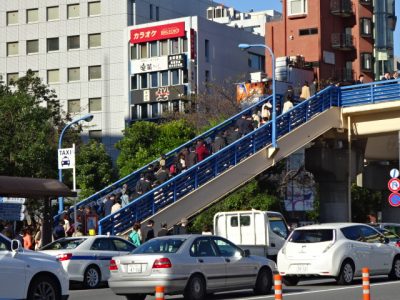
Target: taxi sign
66	158
394	199
394	185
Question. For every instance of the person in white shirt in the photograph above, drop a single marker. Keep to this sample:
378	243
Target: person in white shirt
287	106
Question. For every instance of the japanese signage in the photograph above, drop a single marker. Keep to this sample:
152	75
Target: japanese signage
12	212
165	93
193	53
12	200
177	61
155	33
152	64
66	158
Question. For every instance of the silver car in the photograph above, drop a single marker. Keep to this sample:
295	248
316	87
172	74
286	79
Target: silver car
192	265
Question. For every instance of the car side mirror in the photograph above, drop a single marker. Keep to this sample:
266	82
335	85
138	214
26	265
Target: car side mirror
15	246
246	252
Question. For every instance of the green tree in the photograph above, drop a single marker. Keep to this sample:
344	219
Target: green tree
253	195
94	168
30	122
145	141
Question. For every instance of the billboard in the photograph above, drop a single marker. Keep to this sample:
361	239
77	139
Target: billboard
251	90
165	93
155	33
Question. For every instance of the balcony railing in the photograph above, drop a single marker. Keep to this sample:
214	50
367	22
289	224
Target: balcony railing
342	41
343	8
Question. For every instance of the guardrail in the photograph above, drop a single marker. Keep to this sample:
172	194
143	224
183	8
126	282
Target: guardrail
370	93
184	183
132	178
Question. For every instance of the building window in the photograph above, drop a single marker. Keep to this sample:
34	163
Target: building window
74	74
164	107
94	40
12	48
32	46
153	49
143	50
95	135
94	72
53	44
366	26
94	8
134	49
12	18
207	50
143	81
73	42
134	112
53	13
12	77
297	7
73	11
144	111
134	82
175	77
164	47
74	106
32	15
366	61
185	44
175	46
157	13
256	61
154	79
94	104
155	110
53	76
164	78
151	11
308	31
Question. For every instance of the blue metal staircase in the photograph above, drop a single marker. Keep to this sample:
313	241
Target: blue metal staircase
187	183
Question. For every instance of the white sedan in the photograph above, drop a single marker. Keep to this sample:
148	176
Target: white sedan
338	250
26	274
86	259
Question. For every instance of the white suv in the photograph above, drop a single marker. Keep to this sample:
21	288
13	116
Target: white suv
26	274
338	250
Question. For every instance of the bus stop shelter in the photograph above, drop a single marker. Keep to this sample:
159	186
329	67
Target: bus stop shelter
36	189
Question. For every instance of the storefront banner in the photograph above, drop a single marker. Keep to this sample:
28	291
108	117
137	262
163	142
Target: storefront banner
156	33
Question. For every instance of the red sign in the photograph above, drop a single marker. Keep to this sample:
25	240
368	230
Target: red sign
394	199
155	33
394	185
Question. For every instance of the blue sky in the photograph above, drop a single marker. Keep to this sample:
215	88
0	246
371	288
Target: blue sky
246	5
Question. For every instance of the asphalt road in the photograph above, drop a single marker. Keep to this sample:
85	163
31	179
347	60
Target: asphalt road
381	289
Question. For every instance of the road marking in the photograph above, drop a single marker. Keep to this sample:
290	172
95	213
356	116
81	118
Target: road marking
315	292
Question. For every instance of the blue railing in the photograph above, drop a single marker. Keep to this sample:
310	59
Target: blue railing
132	178
182	184
370	93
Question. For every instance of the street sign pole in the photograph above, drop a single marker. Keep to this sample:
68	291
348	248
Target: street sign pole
74	187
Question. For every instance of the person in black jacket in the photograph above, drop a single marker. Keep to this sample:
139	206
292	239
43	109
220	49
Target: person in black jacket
148	233
164	230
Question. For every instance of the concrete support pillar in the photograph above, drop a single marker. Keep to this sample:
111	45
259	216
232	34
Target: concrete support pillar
328	161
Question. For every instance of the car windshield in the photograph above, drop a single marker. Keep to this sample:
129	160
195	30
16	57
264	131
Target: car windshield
160	246
63	244
5	244
311	236
388	234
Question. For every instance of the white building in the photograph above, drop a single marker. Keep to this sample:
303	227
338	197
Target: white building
80	48
170	60
249	21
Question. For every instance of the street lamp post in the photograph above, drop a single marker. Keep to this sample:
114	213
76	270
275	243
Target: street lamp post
271	150
86	118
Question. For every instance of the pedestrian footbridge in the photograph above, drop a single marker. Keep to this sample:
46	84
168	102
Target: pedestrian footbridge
367	109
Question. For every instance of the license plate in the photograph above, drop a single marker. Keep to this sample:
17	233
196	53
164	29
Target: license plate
135	268
301	268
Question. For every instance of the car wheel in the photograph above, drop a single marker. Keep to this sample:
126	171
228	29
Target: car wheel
135	297
395	272
44	288
346	274
92	277
263	282
195	288
290	280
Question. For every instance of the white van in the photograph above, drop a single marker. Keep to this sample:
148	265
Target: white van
262	232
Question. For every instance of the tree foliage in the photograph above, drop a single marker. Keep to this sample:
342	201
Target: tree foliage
94	168
30	121
145	141
253	195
